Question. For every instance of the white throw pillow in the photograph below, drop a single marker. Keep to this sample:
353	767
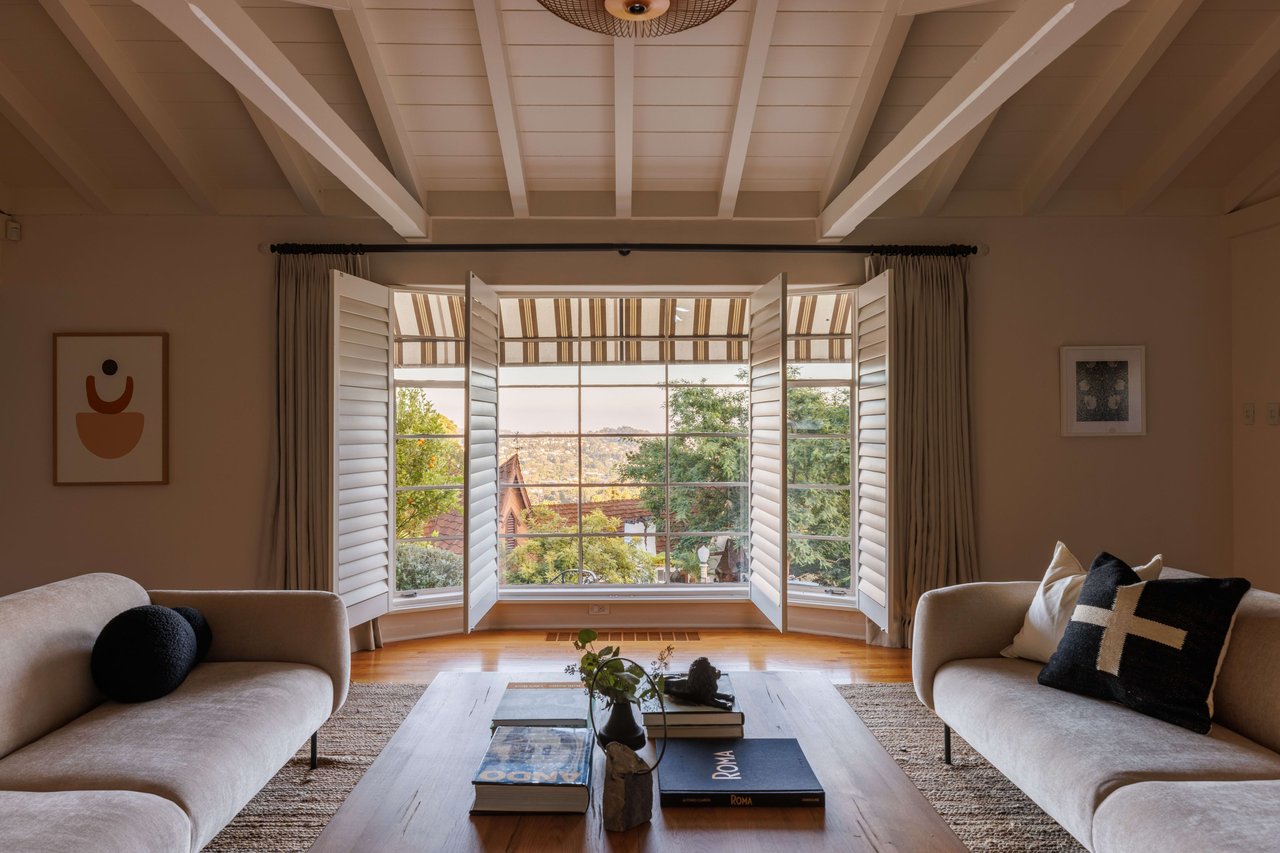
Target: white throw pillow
1050	611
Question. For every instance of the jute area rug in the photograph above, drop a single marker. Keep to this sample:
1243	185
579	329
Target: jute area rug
986	811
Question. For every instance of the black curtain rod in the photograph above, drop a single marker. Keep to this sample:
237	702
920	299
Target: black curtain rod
624	249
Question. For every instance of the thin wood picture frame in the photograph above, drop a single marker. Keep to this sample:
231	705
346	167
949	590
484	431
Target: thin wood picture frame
1103	390
110	408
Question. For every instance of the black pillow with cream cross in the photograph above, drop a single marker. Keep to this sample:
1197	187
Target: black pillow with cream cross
1151	645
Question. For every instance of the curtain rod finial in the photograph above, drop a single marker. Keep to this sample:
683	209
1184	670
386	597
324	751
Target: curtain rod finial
264	248
981	249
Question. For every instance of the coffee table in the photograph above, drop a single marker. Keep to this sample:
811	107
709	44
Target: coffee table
417	794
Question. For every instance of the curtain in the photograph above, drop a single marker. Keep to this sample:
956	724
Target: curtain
933	539
301	542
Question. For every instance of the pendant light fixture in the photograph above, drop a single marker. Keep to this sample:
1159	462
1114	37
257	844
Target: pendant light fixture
636	18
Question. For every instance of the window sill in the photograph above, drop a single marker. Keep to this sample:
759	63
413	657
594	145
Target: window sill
691	592
824	600
428	601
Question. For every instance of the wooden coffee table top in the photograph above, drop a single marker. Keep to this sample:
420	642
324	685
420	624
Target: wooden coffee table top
417	794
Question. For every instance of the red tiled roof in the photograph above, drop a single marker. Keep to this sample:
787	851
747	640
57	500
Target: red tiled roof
623	509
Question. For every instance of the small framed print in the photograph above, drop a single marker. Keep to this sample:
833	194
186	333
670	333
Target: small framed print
110	409
1104	391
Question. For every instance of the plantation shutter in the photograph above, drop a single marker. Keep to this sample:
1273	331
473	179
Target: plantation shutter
768	469
480	586
871	401
362	432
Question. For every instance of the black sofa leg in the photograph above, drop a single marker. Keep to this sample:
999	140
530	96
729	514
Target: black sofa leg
315	762
946	744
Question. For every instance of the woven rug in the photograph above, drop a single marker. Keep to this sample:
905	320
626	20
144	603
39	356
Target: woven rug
986	811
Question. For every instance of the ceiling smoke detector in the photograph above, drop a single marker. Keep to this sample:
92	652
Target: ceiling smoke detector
636	18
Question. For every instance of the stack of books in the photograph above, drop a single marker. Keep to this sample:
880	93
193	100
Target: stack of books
689	720
535	769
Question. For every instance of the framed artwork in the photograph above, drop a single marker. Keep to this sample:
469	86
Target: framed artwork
1104	391
110	408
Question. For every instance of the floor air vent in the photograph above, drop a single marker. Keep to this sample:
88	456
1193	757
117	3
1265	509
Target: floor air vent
628	636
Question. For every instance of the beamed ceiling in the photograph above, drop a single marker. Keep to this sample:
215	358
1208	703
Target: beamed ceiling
826	110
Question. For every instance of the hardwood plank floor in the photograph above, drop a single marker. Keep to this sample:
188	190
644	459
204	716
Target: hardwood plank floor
839	660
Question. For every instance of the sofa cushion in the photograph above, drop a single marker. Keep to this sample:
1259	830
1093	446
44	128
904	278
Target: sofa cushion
1069	752
1189	817
47	634
209	746
101	821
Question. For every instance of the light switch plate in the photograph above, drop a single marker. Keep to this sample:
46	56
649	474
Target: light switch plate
1273	414
1248	414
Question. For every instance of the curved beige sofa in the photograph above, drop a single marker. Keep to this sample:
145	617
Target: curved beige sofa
1119	781
79	773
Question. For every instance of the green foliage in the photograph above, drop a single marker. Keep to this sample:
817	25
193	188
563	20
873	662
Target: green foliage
615	679
555	560
419	566
424	462
821	461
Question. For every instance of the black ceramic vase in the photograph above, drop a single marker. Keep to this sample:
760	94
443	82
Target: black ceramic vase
621	727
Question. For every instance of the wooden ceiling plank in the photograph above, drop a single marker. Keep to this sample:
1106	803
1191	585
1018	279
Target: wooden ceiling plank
291	159
1255	217
102	53
1031	38
886	46
53	142
763	15
1205	119
357	33
493	45
924	7
624	123
1158	28
224	36
947	171
1253	177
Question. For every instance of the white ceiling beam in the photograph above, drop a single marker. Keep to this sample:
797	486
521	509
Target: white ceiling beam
882	58
624	123
1031	38
494	47
53	141
291	159
101	52
763	15
950	166
1205	119
357	34
1253	177
1134	60
225	37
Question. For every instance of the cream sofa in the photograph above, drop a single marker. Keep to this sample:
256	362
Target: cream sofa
78	773
1115	779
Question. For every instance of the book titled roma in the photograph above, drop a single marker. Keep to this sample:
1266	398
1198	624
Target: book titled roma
739	773
535	769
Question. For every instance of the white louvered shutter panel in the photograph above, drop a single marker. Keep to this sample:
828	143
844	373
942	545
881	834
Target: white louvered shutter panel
480	589
362	431
768	468
871	390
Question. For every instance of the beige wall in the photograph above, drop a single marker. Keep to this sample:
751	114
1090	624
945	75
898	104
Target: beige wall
1255	311
1044	283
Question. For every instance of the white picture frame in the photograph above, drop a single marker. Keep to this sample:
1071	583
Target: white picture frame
1103	390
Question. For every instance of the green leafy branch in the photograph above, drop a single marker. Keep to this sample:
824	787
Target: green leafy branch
615	679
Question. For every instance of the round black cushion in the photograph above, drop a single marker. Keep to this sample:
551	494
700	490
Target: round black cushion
204	634
143	653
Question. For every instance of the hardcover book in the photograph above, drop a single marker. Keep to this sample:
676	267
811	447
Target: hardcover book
704	732
741	773
682	713
535	769
542	703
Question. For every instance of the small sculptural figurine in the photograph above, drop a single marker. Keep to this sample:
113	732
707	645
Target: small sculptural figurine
628	789
699	686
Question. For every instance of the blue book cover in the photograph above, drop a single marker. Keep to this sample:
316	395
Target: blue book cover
535	769
738	773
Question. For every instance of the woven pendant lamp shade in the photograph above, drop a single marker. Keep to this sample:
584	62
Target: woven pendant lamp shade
624	19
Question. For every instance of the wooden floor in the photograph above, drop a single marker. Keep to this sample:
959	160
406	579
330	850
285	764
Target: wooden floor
841	661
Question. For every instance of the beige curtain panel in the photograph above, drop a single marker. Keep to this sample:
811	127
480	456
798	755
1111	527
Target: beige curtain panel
301	542
933	541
